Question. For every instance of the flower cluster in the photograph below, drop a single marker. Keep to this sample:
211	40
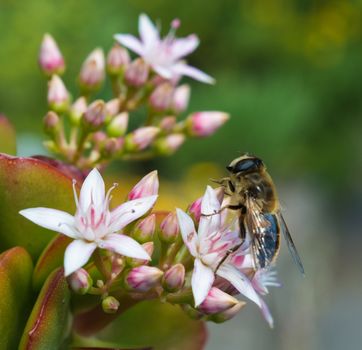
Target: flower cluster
195	268
99	130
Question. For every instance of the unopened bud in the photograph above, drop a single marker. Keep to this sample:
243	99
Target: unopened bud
195	209
99	138
95	115
143	278
217	301
169	144
141	138
77	110
80	281
110	305
147	186
149	248
167	123
161	98
145	229
118	125
117	60
227	314
92	73
174	278
112	146
51	123
202	124
169	228
58	96
51	60
137	73
181	99
112	107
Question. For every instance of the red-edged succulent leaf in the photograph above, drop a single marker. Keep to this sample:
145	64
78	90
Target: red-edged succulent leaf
47	325
28	183
7	136
15	295
152	323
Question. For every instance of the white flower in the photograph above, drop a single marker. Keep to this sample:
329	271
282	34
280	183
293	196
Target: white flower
208	246
93	224
164	55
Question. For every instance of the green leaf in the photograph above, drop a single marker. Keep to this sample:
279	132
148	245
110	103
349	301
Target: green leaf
151	323
28	183
47	325
7	136
15	294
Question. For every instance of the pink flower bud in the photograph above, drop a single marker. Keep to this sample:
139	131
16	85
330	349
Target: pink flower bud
112	146
169	228
118	125
95	115
149	248
145	229
161	98
147	186
110	305
50	58
92	72
167	123
58	96
141	138
202	124
181	98
80	281
112	107
143	278
51	123
117	59
99	138
217	301
77	110
227	314
169	144
137	73
195	209
174	278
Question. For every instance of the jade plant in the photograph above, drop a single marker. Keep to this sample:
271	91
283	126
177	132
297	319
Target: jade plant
77	269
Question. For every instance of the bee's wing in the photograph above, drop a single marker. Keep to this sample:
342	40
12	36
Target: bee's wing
291	246
264	232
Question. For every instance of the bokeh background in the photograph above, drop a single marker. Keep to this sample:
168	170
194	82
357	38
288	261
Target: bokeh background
290	74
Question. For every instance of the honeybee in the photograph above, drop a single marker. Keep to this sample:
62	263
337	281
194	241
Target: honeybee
253	196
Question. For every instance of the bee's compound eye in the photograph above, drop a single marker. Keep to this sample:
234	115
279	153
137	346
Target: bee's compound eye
230	168
245	165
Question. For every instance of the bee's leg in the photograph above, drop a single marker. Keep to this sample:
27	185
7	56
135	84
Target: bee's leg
231	207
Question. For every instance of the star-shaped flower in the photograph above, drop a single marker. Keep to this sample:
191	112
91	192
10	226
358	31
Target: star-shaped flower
94	225
164	55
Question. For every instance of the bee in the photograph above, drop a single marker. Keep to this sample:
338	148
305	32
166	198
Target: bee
253	196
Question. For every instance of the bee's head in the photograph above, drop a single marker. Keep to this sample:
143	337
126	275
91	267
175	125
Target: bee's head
245	164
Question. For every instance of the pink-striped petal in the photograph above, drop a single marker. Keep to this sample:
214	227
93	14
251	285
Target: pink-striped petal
188	232
131	42
77	255
92	191
124	245
52	219
202	279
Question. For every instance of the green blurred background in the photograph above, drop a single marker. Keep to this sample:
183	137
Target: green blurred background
289	73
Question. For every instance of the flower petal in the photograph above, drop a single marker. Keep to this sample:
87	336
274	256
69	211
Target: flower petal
188	231
210	219
124	245
240	282
164	72
148	32
202	279
130	211
131	42
184	69
184	46
92	191
52	219
77	255
266	313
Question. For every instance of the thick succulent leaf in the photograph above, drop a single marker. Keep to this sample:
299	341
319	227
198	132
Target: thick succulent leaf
48	323
15	295
28	183
51	258
152	323
7	136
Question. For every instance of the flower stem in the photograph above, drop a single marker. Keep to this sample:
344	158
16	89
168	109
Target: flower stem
102	268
